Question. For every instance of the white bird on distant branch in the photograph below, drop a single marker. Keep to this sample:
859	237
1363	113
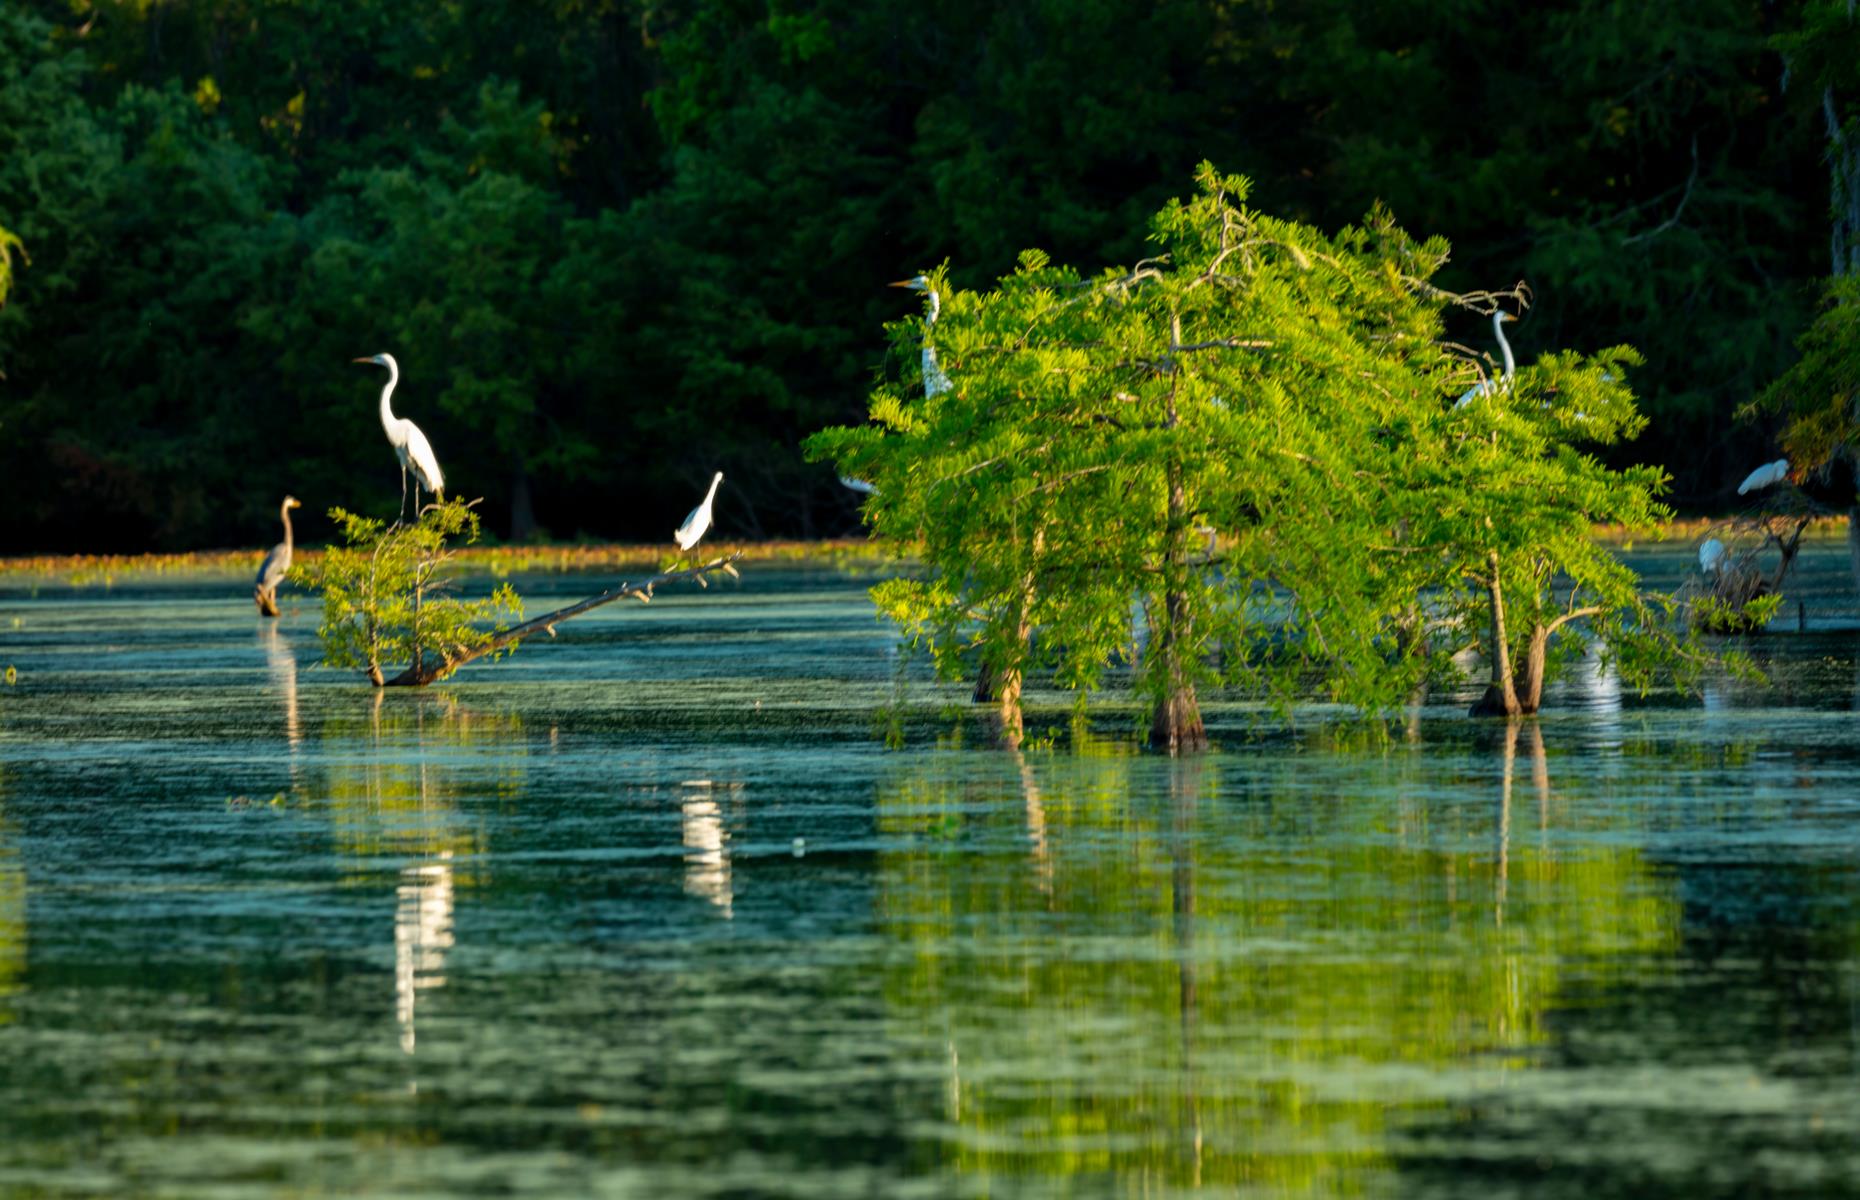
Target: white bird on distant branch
1487	387
410	445
689	534
1711	556
1768	475
857	485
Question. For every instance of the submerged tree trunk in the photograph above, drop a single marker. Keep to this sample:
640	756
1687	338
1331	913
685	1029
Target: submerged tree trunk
1853	548
1501	695
1009	679
1176	726
423	672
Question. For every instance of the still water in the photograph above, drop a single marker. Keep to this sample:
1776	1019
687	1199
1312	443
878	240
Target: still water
651	910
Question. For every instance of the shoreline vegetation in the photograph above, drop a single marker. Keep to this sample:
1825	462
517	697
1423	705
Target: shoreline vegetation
93	569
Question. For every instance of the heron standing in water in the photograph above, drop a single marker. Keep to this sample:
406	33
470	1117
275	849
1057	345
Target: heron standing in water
277	564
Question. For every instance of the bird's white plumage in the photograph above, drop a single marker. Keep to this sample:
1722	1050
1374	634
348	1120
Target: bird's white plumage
857	485
689	534
1768	475
1711	555
935	381
1488	387
411	448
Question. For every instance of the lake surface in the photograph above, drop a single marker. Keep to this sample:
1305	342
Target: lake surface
651	910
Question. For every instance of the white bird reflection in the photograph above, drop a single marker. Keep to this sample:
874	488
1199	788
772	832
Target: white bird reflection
422	935
707	848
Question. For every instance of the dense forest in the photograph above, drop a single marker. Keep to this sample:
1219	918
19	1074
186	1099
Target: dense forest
619	244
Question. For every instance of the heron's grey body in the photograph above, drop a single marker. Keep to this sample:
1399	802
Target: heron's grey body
411	448
1486	387
277	564
698	520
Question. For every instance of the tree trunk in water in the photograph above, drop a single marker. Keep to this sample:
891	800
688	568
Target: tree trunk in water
1531	691
1177	726
1501	696
1012	729
987	690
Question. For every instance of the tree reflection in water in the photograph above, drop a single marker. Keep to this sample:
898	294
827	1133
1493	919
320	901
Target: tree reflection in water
396	810
1253	983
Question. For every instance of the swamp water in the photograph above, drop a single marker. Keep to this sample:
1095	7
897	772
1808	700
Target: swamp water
650	910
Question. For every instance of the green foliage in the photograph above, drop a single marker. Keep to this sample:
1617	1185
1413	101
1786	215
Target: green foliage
1817	396
1251	435
618	245
386	595
1710	614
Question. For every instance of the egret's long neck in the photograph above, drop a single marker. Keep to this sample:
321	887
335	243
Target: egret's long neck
387	414
1504	347
712	494
284	510
936	306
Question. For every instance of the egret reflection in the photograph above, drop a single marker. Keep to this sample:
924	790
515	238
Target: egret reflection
707	847
422	935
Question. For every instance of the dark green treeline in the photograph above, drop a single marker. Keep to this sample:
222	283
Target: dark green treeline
618	244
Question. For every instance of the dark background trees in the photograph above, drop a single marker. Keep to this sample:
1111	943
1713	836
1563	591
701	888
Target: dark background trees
618	244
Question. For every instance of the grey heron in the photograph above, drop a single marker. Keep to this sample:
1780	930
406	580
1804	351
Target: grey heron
277	564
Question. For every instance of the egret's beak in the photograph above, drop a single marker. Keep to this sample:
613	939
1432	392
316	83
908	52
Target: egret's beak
370	361
903	283
295	504
1505	316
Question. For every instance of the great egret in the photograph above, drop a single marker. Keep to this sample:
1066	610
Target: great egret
935	382
410	445
688	534
1711	556
1768	475
277	564
857	485
1486	387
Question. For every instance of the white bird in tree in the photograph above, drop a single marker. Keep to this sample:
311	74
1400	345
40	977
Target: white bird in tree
857	485
1486	387
689	534
410	445
1711	556
277	564
1768	475
935	382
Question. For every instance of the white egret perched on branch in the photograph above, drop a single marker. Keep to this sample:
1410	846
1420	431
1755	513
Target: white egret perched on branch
410	445
277	564
688	534
1486	387
1768	475
1711	556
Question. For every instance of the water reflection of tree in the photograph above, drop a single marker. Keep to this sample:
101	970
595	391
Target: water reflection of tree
12	909
1221	974
395	806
